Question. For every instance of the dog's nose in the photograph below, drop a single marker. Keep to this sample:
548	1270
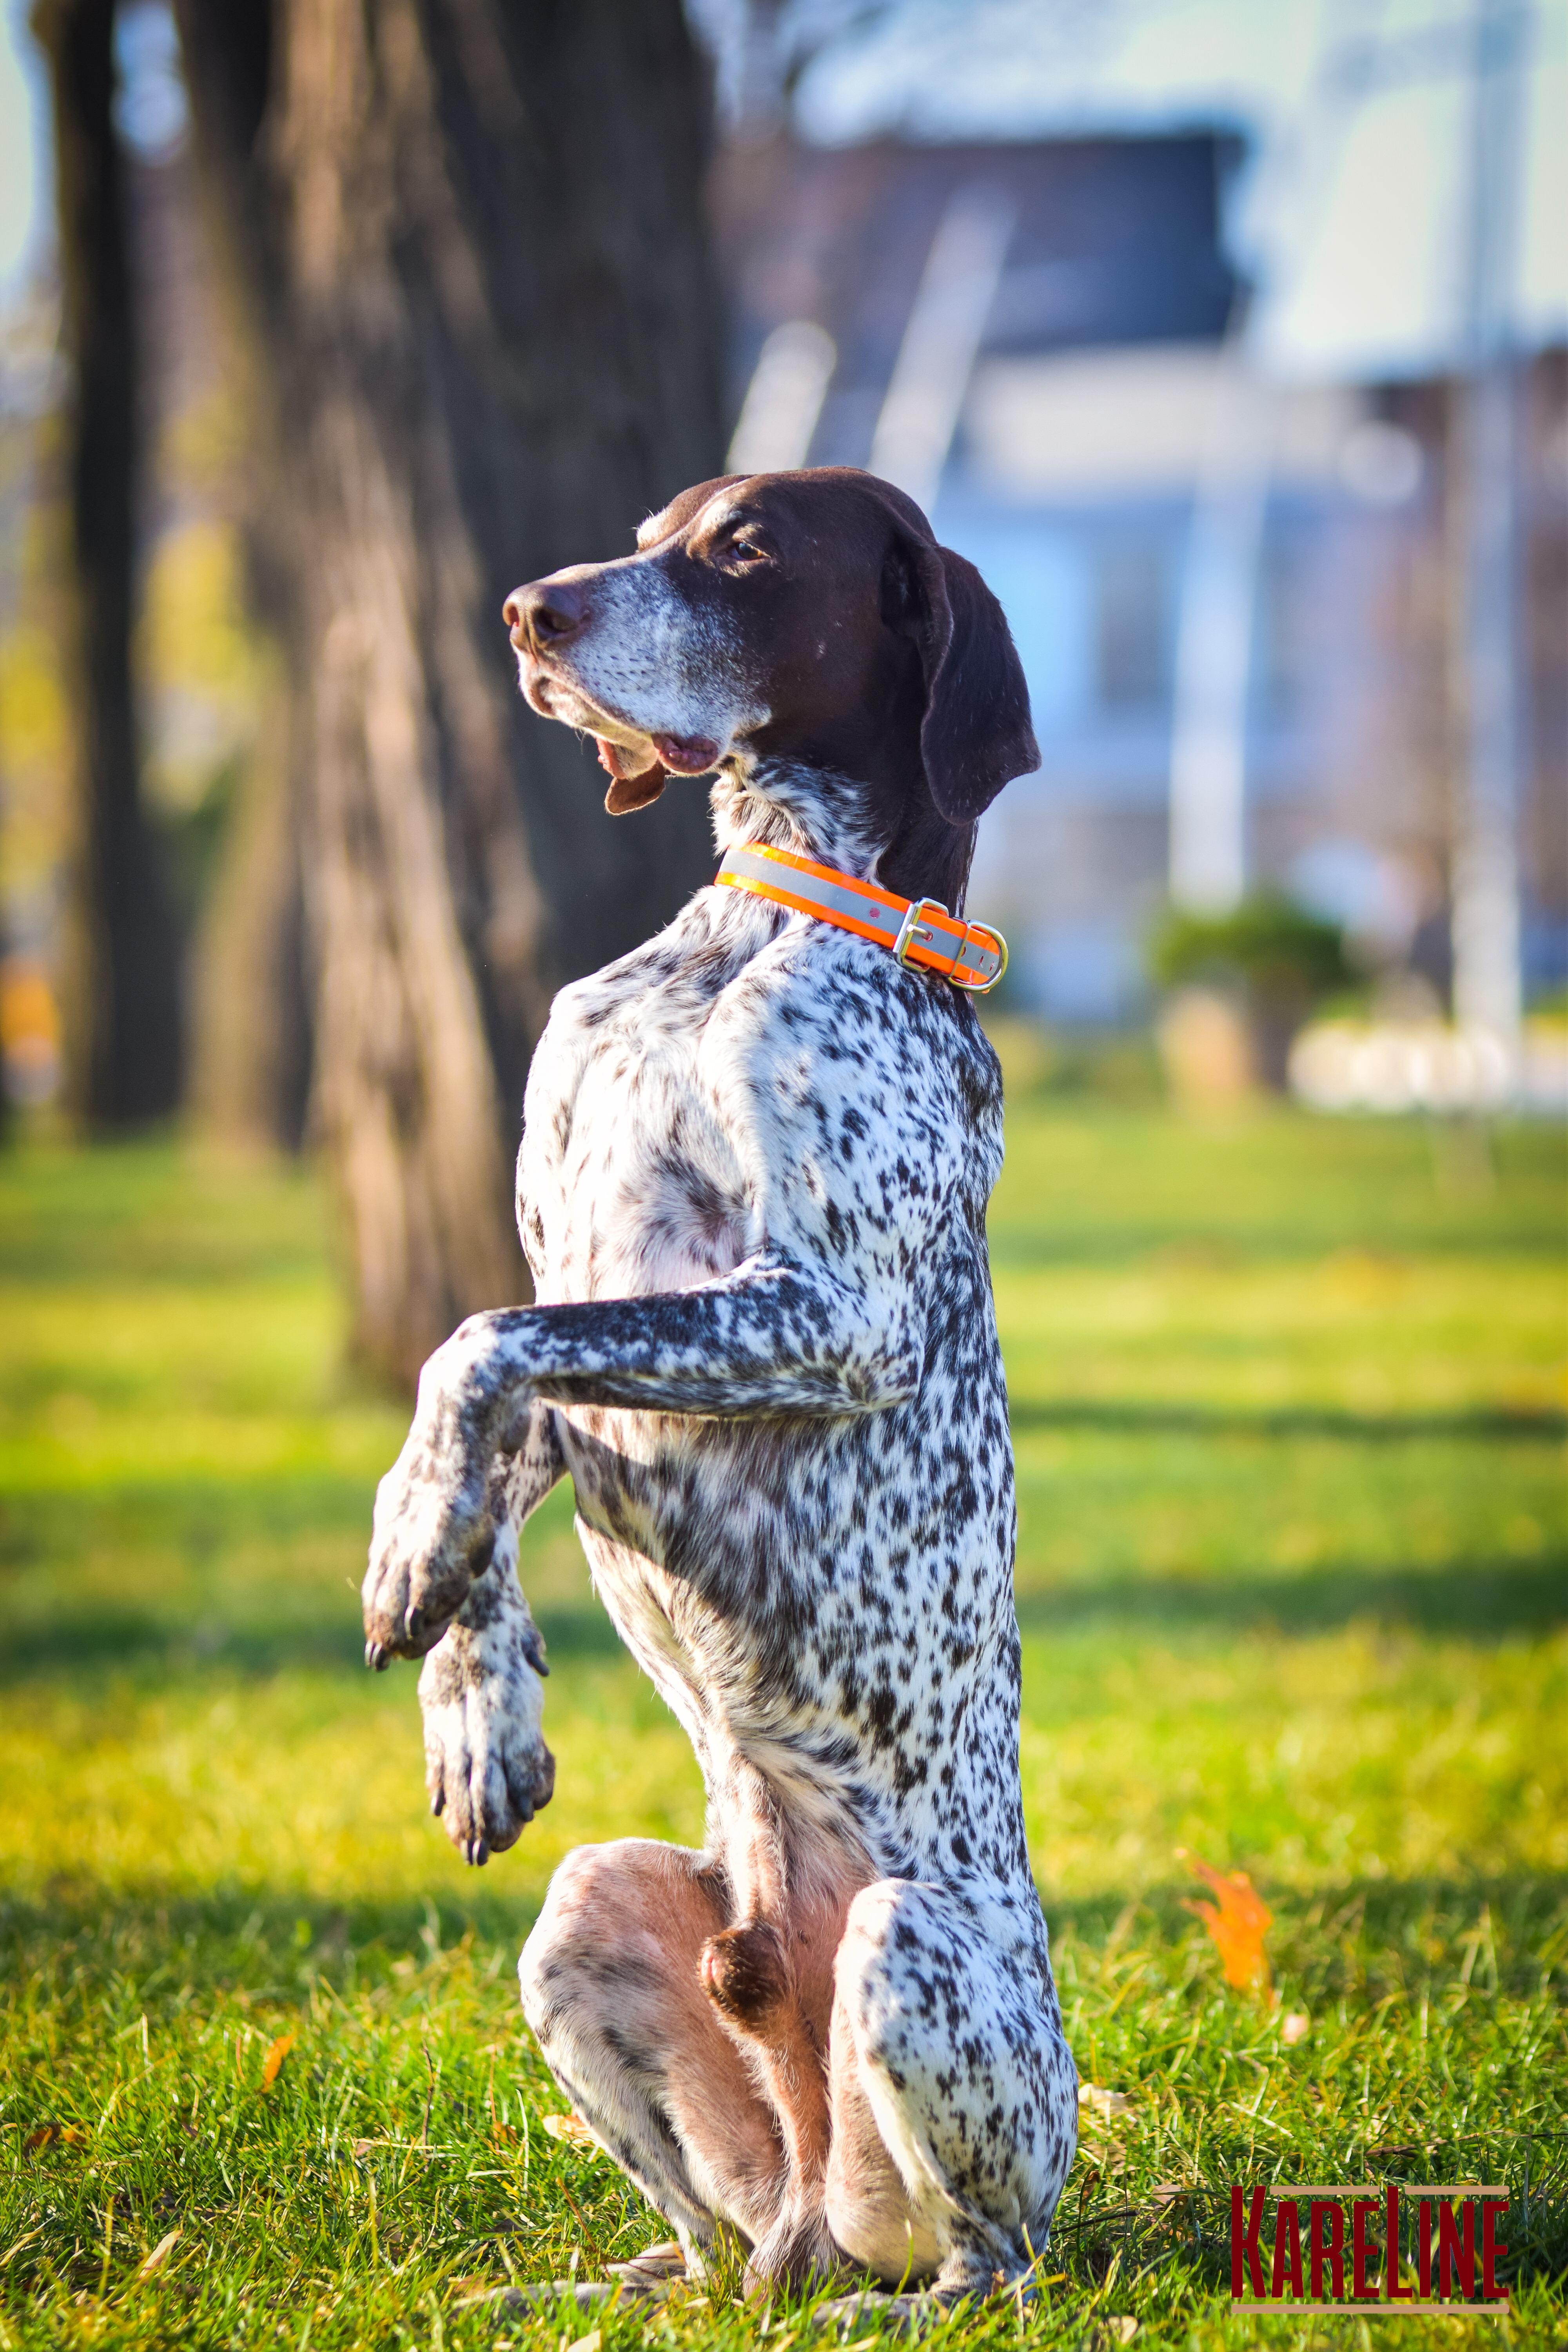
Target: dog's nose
546	614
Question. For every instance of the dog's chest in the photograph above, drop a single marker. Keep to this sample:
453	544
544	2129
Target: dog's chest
631	1181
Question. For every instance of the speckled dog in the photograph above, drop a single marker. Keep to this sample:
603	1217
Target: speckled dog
752	1188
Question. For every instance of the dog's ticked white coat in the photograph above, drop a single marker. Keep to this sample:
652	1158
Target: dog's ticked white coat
752	1187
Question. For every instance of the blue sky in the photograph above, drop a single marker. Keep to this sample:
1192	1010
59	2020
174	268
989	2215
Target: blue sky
1353	216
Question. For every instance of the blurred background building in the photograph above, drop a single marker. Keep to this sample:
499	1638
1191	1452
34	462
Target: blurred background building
1186	372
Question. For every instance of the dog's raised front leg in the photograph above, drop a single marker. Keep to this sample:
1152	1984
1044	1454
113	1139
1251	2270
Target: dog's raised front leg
438	1508
778	1336
487	1767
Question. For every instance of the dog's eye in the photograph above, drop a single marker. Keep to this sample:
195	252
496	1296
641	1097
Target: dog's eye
748	550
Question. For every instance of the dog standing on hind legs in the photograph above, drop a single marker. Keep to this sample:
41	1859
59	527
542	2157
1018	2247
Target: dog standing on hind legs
756	1159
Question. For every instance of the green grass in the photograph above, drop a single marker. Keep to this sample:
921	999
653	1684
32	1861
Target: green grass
1293	1580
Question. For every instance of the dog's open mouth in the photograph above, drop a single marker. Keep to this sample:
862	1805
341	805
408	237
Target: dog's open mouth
683	755
637	771
637	767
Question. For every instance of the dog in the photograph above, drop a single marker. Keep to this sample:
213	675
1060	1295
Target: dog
753	1186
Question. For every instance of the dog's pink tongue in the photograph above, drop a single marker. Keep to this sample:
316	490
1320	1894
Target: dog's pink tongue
622	762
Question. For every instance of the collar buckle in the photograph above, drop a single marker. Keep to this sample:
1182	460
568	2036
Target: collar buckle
915	931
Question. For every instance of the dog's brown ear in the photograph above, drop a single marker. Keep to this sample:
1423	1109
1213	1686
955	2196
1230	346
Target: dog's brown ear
628	792
976	734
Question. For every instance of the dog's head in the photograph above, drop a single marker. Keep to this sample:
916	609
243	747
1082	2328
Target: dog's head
791	625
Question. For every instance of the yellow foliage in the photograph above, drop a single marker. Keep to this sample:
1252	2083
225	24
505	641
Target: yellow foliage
194	629
199	655
35	750
32	706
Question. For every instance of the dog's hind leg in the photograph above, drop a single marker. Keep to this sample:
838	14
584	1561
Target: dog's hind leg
951	2048
612	1987
748	1976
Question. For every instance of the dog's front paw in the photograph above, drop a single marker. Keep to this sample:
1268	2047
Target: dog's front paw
486	1767
432	1534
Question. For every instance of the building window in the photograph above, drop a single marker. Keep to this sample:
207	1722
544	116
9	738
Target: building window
1132	626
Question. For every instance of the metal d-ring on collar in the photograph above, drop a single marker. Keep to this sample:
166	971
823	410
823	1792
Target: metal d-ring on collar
985	987
915	923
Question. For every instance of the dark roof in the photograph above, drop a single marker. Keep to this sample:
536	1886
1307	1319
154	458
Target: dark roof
1116	241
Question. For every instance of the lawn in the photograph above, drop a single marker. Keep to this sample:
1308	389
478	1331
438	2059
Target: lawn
1293	1581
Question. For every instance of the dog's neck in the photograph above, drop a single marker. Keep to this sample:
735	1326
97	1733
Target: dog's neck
786	805
821	813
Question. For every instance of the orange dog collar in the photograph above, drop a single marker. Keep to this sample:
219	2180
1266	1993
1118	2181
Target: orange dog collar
918	931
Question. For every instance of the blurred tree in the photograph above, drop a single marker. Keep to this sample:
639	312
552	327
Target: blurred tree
121	990
470	235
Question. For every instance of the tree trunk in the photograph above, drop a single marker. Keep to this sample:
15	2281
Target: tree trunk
472	230
123	1006
249	1047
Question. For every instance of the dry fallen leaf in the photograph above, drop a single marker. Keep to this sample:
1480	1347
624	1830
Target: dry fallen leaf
1122	2327
468	2291
571	2129
1295	2026
1237	1921
589	2343
159	2255
1100	2103
271	2064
